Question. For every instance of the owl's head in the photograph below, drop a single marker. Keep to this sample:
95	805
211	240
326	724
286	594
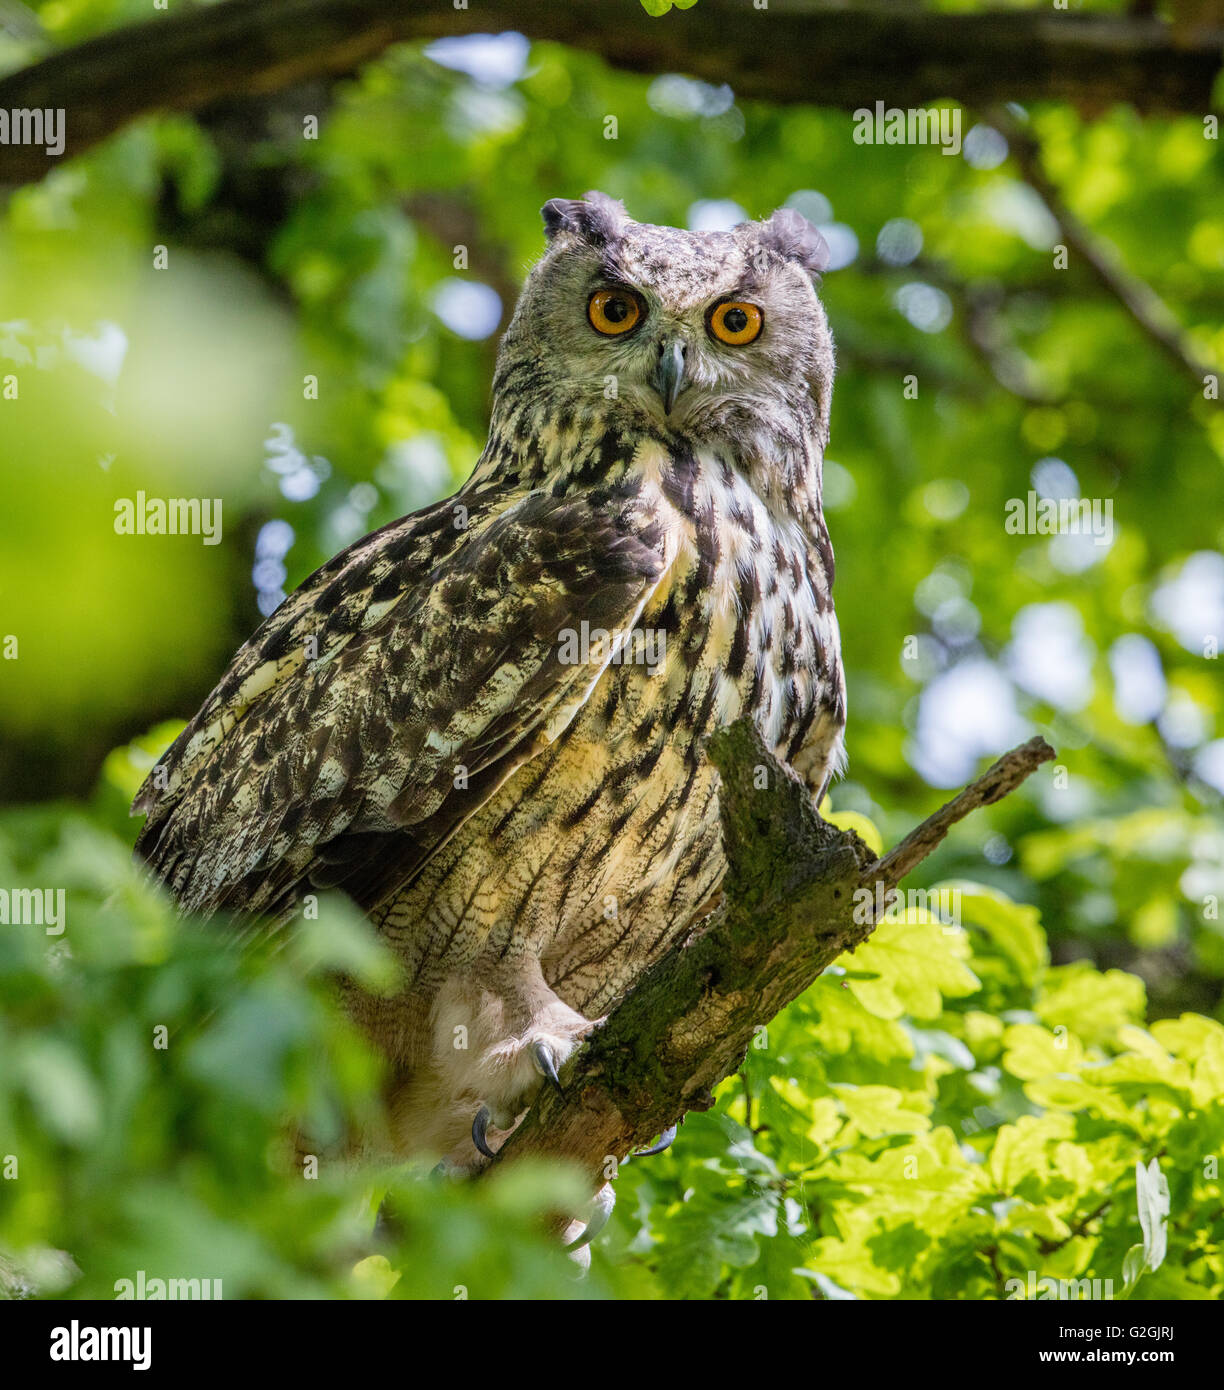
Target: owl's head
716	336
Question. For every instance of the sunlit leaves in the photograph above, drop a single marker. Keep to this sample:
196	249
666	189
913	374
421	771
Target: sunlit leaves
908	967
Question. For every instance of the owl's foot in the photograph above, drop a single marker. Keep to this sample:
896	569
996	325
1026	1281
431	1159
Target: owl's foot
500	1033
580	1233
480	1132
546	1065
543	1057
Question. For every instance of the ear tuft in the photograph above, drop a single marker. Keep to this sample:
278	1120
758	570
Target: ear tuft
794	238
597	219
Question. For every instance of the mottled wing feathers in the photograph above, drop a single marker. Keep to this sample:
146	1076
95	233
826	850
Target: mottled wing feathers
440	669
348	593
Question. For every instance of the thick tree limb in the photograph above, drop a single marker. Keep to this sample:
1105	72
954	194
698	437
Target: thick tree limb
787	912
792	51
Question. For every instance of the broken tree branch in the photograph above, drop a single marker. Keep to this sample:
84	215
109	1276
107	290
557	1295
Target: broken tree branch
790	51
1004	777
787	912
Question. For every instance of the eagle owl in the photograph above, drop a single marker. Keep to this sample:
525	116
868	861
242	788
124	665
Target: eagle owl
485	722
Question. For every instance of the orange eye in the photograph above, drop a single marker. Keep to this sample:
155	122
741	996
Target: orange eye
613	312
735	322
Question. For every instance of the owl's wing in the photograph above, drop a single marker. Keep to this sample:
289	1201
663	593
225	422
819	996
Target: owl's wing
388	698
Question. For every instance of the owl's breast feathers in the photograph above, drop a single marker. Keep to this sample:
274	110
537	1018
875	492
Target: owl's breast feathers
748	609
406	681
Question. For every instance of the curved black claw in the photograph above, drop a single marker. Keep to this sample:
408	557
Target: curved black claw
547	1068
480	1126
663	1142
602	1206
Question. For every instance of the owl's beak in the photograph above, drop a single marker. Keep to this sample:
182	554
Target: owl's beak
669	374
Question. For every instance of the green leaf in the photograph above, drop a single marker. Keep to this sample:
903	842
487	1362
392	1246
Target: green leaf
61	1088
908	967
1093	1004
846	1025
713	1229
374	1277
1200	1041
339	939
1012	928
875	1111
1030	1051
245	1050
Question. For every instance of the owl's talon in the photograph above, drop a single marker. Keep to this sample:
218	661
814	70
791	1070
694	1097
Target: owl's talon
662	1143
602	1205
545	1064
480	1127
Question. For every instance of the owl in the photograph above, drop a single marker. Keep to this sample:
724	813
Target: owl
485	722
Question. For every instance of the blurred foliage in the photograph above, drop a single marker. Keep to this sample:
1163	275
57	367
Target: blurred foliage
336	260
146	1077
